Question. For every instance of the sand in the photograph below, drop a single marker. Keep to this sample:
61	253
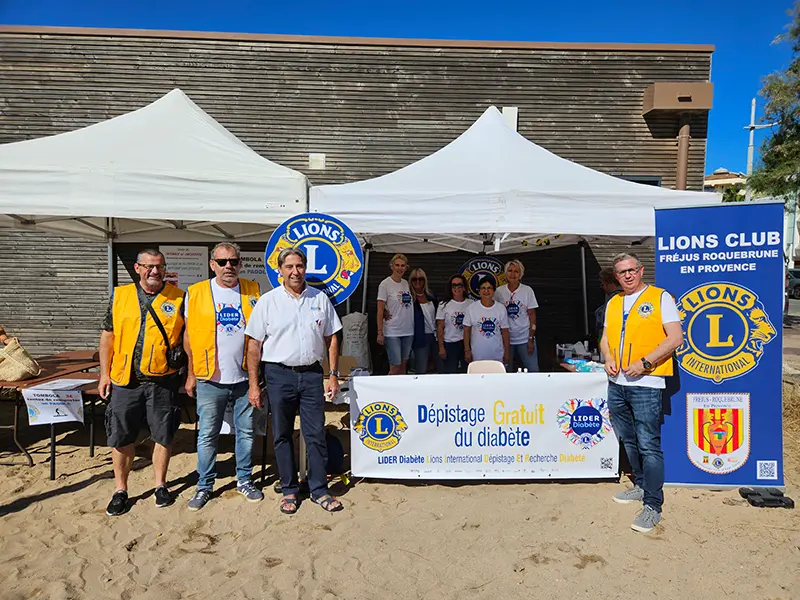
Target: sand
394	540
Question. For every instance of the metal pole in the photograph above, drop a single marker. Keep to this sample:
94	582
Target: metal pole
752	128
52	452
364	282
112	261
585	290
750	147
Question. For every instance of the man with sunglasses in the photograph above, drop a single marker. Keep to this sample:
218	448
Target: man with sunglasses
135	375
642	328
217	312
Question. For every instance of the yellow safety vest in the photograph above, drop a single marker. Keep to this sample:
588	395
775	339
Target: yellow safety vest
127	319
643	330
202	325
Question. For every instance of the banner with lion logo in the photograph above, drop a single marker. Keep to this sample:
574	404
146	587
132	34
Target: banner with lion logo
724	265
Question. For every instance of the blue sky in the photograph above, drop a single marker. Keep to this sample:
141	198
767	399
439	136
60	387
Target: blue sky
742	32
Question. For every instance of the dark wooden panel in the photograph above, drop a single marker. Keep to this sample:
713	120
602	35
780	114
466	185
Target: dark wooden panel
372	109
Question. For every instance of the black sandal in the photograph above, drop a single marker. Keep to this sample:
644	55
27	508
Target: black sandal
288	505
329	503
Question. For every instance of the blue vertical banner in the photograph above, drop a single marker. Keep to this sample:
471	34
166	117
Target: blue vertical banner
725	267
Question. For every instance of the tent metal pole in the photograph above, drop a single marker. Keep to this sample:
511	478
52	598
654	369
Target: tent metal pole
585	290
112	261
364	282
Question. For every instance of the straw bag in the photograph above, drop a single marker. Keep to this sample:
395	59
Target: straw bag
15	362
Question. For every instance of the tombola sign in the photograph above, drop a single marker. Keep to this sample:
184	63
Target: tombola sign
476	269
335	262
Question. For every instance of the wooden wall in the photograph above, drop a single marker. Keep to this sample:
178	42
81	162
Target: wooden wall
371	106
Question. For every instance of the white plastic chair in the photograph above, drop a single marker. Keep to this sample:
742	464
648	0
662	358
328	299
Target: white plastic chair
486	366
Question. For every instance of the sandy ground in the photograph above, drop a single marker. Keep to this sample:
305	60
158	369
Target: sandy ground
394	540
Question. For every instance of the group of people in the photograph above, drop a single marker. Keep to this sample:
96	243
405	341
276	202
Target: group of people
500	326
245	349
236	347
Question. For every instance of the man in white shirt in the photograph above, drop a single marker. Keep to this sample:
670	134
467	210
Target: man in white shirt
291	330
642	328
216	315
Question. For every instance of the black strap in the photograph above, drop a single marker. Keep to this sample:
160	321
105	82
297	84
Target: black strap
158	322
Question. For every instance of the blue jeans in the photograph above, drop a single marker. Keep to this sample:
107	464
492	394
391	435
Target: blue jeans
398	349
454	361
422	354
519	353
212	398
290	391
636	417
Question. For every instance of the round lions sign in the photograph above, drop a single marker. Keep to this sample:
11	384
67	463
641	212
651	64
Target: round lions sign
475	269
335	262
726	329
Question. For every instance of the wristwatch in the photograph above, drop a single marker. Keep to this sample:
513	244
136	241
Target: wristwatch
647	364
333	373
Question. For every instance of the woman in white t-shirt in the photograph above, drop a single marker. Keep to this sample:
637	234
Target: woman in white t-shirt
450	326
521	305
396	316
423	345
486	327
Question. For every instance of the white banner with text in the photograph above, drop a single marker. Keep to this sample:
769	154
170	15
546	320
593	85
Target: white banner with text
494	426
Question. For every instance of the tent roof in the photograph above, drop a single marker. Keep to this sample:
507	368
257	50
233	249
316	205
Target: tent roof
166	161
492	180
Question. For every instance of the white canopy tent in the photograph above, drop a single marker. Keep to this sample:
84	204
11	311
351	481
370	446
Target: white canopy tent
492	190
492	184
167	169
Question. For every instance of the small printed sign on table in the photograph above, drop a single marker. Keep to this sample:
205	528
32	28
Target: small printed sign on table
53	406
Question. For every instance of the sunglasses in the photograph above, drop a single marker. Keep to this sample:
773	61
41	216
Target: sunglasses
457	285
224	261
417	279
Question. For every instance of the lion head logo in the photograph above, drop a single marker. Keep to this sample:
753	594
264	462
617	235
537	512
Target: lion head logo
761	331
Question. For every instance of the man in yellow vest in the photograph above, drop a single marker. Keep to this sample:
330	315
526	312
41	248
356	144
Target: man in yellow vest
642	328
135	375
217	312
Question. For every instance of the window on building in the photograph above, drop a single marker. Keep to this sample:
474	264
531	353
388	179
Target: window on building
645	179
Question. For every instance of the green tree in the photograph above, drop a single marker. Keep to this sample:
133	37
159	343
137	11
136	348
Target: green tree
779	172
733	193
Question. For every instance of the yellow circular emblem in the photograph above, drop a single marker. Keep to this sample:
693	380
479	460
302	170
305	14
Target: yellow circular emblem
725	329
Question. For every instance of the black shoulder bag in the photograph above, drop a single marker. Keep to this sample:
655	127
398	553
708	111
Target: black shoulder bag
176	355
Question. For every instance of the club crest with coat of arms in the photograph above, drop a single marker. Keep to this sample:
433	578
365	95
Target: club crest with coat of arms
718	431
725	330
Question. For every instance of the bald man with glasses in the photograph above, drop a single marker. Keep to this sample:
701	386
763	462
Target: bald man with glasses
135	375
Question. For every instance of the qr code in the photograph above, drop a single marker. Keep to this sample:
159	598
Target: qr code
767	469
607	464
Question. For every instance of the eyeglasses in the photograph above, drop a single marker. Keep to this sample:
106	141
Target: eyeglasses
417	279
151	267
224	261
627	272
457	285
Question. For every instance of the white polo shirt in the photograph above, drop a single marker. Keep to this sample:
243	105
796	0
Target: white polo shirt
293	329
